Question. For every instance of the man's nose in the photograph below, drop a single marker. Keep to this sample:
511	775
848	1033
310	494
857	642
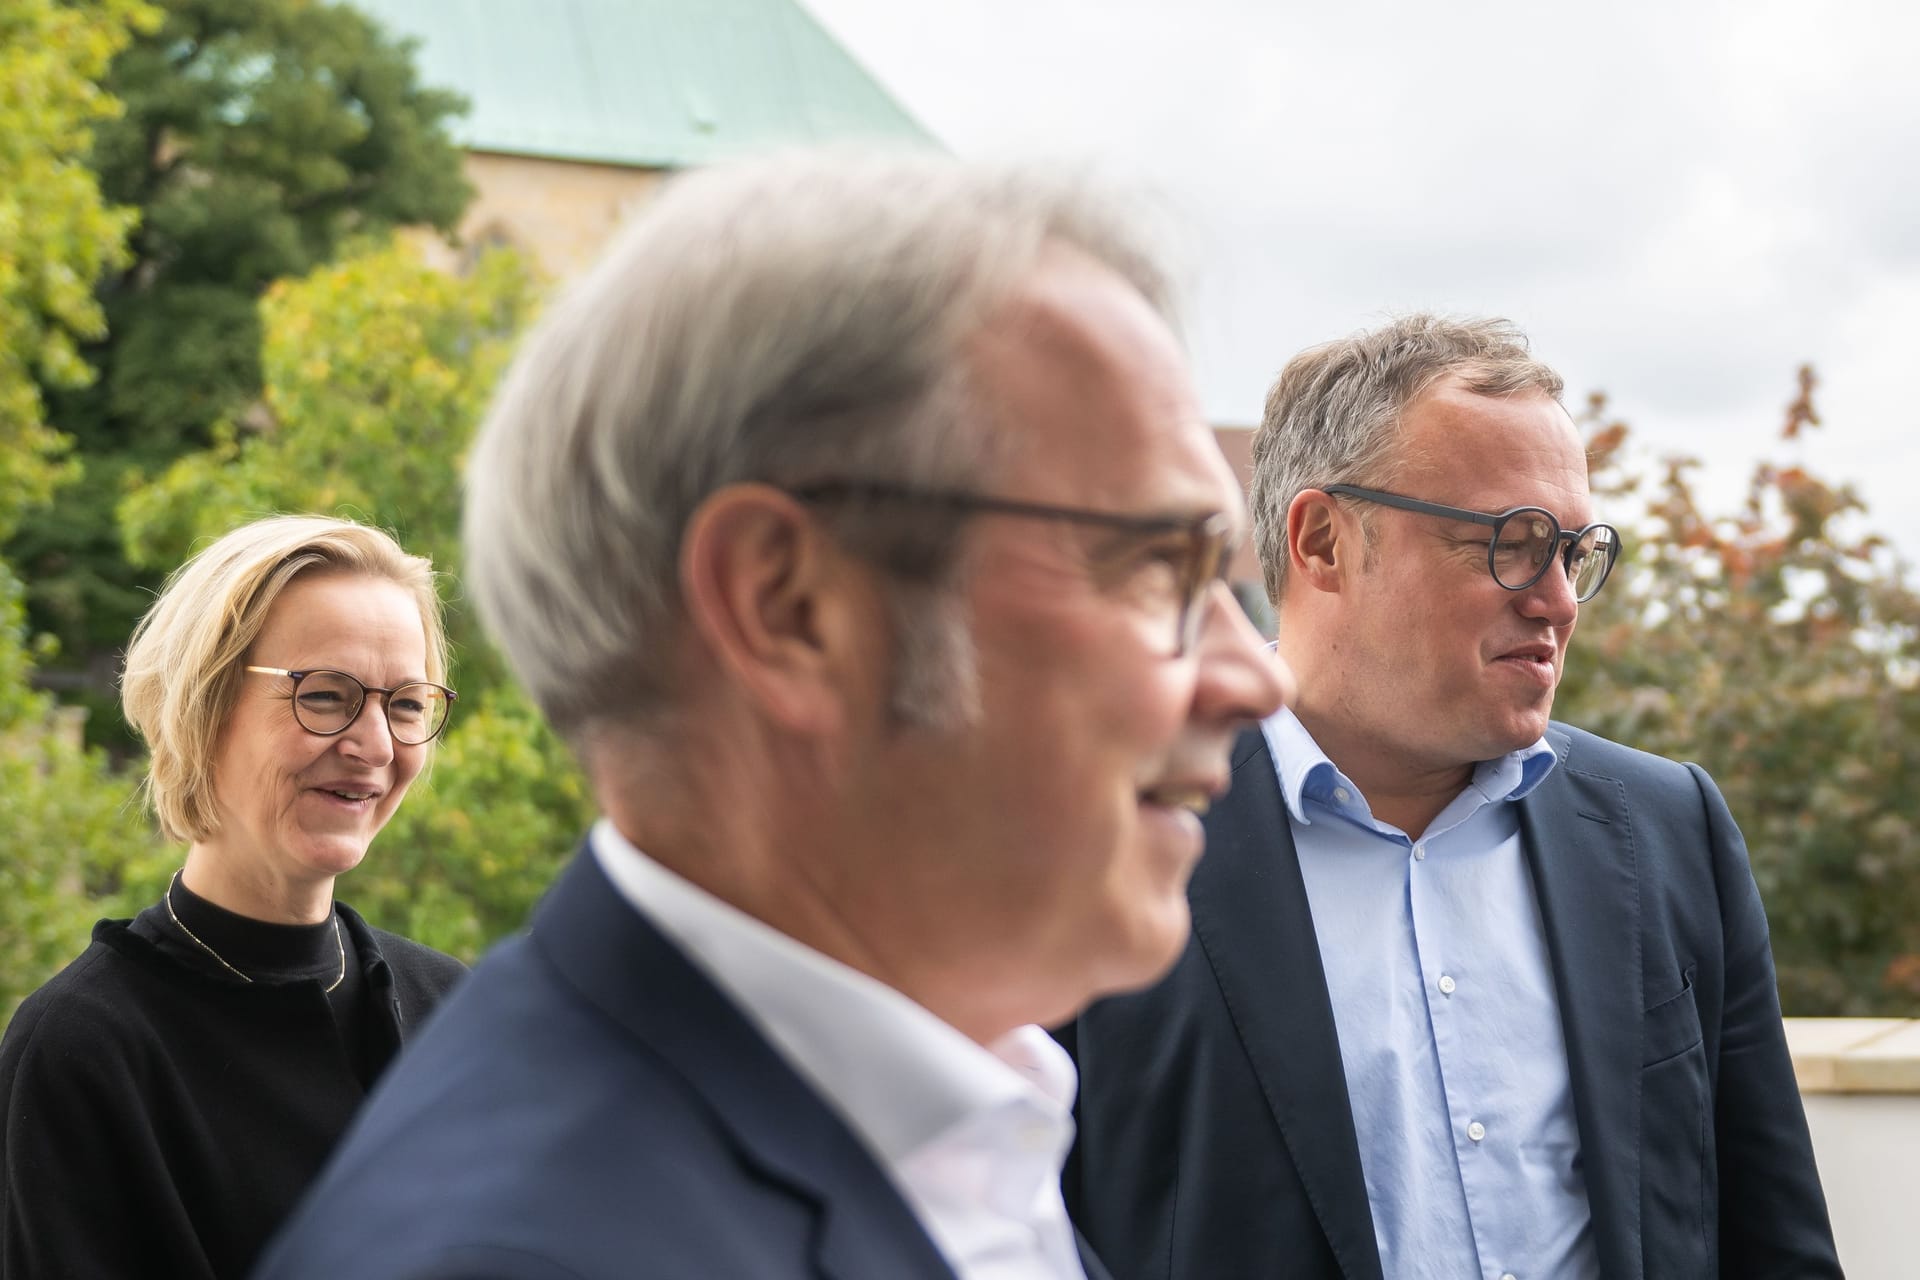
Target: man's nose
1552	599
1241	678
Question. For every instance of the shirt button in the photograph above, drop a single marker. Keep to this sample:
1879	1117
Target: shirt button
1419	853
1476	1131
1341	794
1446	984
1507	1275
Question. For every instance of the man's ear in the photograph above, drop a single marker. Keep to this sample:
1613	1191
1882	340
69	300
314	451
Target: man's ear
769	597
1319	540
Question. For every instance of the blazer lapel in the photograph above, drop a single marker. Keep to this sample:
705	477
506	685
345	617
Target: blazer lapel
1255	926
1579	847
615	958
1089	1261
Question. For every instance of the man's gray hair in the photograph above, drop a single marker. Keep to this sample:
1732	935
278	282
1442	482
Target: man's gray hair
782	320
1333	417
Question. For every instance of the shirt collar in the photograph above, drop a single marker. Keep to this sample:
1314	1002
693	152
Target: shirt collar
1306	773
900	1076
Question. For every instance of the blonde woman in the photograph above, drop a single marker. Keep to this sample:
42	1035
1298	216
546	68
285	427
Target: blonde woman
171	1092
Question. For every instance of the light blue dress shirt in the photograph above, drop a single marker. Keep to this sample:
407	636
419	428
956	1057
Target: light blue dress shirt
1450	1032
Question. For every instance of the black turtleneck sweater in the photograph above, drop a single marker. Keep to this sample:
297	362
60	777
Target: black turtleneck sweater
162	1115
282	953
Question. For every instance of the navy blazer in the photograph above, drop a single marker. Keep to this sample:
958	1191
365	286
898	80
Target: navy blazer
589	1104
1216	1137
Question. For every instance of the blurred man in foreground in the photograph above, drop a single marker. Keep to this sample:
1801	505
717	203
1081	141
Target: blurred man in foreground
857	521
1471	993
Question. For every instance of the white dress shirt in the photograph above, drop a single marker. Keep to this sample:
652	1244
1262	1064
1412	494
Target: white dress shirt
973	1137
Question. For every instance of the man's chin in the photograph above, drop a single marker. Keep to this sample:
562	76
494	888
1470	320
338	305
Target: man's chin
1525	731
1153	955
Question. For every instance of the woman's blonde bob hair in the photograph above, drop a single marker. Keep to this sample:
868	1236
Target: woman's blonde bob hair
184	662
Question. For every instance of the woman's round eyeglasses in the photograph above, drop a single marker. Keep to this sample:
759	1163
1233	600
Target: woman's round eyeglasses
328	702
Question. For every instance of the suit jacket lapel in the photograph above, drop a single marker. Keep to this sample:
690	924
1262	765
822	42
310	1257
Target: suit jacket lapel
1579	846
1254	924
1089	1261
615	958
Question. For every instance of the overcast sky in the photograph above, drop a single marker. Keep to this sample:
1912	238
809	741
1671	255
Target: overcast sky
1681	203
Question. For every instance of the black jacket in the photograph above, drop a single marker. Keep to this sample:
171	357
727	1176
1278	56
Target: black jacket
161	1116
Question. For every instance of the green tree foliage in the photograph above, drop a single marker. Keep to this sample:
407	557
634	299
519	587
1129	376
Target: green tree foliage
72	839
258	136
77	846
377	371
57	233
1779	648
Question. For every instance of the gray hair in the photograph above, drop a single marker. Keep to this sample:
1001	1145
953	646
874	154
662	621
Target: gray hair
1333	417
780	320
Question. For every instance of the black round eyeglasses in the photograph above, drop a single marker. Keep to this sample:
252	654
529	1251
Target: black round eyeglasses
1524	541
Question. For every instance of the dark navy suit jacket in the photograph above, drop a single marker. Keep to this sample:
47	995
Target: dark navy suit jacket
588	1104
1216	1137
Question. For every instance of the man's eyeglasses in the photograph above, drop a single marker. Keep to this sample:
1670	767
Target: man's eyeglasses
1196	549
1525	541
328	702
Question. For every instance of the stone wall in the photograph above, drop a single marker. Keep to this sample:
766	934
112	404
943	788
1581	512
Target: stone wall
559	211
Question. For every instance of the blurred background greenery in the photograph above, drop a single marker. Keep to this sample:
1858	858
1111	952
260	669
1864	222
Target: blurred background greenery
216	302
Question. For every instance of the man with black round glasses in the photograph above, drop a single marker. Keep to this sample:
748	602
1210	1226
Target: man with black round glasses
1471	992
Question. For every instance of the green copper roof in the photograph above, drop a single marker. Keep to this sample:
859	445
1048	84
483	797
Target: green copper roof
662	83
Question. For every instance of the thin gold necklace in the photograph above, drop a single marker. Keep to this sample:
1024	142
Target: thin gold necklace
194	938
